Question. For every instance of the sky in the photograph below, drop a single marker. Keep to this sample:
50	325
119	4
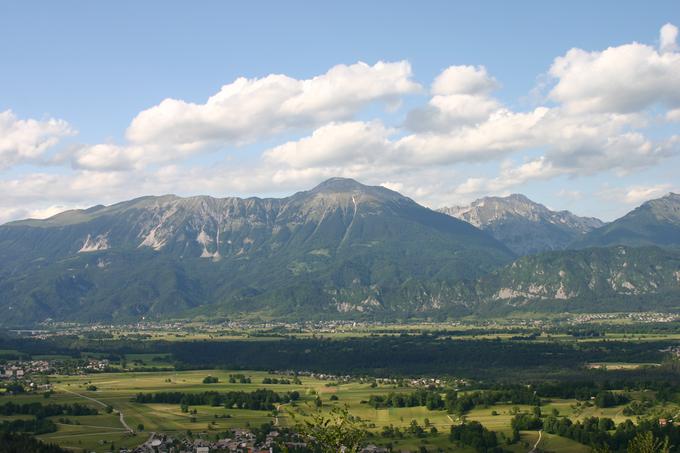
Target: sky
574	104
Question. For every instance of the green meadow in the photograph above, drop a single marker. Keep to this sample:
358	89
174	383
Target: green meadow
98	432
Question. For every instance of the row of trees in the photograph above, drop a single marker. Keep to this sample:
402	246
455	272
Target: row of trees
606	398
19	442
455	402
428	398
34	426
46	410
261	399
585	390
269	380
460	403
604	434
239	379
599	433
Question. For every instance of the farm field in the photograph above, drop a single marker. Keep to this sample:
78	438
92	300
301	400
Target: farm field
106	368
117	390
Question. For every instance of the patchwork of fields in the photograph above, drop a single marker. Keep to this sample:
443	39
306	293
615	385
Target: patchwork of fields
117	390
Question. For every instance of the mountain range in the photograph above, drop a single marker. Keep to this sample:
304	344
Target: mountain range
618	278
342	249
524	226
655	222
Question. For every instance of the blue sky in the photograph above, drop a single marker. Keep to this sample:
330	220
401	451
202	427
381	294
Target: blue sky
76	76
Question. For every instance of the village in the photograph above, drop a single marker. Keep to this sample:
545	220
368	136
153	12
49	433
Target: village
240	441
21	369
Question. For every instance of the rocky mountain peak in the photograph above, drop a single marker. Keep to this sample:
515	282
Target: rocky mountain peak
351	186
345	193
666	208
655	222
338	184
485	211
338	248
524	225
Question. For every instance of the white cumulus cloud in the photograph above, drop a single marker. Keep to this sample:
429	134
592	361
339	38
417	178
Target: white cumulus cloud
334	144
626	78
460	97
668	38
109	157
464	80
635	194
25	140
509	177
250	109
607	111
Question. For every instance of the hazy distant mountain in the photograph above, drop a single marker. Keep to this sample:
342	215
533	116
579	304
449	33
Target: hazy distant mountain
655	222
341	247
524	226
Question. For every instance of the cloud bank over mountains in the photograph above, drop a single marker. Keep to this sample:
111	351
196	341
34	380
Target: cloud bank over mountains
612	111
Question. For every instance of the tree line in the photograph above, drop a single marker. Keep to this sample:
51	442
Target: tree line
599	432
39	410
24	443
261	399
428	398
34	426
460	403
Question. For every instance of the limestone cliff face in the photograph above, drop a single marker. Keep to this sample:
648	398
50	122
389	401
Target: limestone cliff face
590	274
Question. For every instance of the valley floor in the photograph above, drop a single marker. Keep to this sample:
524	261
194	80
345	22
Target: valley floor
100	432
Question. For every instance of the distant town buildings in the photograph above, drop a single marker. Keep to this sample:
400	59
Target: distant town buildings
240	441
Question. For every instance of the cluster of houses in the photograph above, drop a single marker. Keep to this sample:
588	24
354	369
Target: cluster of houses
416	382
12	372
182	328
80	366
319	376
22	372
663	422
21	369
241	441
96	365
643	317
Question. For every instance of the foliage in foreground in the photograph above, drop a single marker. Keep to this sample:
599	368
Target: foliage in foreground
333	432
647	443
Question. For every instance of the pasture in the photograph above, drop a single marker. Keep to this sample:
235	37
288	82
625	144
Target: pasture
117	390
